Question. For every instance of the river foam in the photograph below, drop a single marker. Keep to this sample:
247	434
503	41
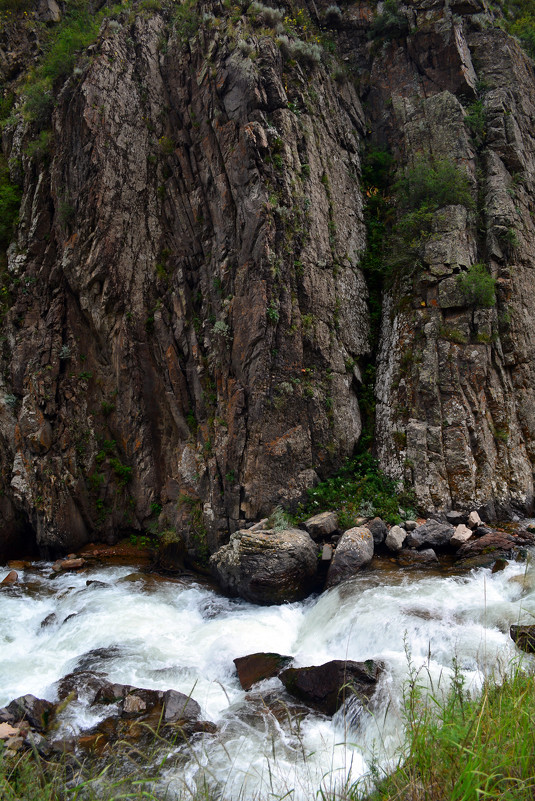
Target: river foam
164	634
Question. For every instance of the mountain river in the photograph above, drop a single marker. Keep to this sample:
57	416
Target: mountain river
168	633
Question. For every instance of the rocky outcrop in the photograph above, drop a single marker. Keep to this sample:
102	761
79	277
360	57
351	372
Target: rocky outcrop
185	318
186	297
267	567
326	687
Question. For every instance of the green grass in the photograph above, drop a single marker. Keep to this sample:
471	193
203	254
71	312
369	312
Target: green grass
465	749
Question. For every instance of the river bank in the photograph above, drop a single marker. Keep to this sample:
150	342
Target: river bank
181	634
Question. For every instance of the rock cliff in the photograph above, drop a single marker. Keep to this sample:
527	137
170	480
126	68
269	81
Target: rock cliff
185	317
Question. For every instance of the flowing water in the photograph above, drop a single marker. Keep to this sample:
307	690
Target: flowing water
162	634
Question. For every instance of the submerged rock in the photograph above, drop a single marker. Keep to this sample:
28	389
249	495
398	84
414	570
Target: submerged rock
326	687
257	667
354	551
267	567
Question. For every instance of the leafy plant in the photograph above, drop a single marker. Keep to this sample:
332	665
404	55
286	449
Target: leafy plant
478	286
360	481
391	23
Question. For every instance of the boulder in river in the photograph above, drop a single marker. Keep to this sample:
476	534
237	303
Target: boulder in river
354	550
11	578
408	557
326	687
524	637
483	551
267	567
260	666
431	534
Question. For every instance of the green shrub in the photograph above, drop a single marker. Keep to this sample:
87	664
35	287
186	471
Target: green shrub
478	286
10	196
432	184
391	24
358	485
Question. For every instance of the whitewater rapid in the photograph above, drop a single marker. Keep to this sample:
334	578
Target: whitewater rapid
180	634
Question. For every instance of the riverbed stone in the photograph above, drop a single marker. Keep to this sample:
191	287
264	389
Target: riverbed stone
257	667
11	578
410	525
432	534
354	551
461	534
524	637
326	687
378	529
408	557
483	551
395	538
36	711
267	567
321	525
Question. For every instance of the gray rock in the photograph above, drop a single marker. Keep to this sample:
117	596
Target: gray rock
179	707
36	711
395	538
320	526
354	551
267	567
432	534
455	518
474	520
378	529
410	525
460	535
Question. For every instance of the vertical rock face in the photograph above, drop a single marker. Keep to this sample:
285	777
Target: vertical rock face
189	292
187	314
455	381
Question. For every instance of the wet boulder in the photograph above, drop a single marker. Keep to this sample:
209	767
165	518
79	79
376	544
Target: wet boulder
524	637
11	578
432	534
326	687
37	712
483	551
354	551
267	567
257	667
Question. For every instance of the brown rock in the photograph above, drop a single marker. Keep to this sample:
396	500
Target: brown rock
7	731
11	578
257	667
484	551
321	525
36	711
